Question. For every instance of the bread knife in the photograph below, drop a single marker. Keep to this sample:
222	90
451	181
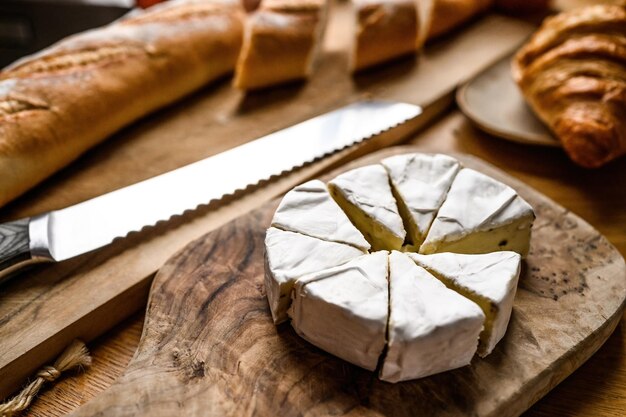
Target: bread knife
62	234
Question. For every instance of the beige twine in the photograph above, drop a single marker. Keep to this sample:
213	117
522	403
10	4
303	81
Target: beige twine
75	355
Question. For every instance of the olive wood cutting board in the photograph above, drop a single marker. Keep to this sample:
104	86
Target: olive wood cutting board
209	346
48	306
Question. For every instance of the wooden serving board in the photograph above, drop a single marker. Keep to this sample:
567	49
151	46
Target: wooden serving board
48	306
209	346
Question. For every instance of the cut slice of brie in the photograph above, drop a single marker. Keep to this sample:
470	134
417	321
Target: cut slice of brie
289	255
480	215
309	209
490	280
431	328
343	310
365	196
420	183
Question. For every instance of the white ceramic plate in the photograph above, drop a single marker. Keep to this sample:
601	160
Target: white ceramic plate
494	103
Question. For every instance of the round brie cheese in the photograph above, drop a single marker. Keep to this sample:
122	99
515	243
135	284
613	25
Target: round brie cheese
333	265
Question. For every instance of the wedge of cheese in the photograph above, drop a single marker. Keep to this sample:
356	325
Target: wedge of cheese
490	280
365	196
480	215
420	183
309	209
431	329
344	310
289	256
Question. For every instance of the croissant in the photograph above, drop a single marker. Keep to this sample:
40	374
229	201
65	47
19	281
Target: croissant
573	74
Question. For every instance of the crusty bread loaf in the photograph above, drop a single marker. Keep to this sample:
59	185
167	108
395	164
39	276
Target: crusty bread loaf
58	103
573	74
385	29
449	14
281	41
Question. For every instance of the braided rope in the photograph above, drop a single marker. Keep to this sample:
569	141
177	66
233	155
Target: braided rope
75	355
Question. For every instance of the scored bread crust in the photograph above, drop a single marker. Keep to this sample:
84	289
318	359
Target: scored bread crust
281	42
56	104
573	74
386	29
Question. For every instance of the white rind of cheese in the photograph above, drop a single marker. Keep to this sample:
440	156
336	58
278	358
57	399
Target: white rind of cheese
413	315
480	215
309	209
365	195
421	183
431	329
289	256
490	280
343	310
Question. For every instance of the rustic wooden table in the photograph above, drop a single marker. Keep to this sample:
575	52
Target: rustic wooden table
597	388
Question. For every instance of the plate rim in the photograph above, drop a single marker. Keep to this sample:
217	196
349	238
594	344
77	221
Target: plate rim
490	128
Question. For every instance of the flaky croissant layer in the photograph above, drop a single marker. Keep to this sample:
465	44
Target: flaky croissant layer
573	74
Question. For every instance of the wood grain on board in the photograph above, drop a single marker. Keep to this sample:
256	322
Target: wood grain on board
209	346
45	308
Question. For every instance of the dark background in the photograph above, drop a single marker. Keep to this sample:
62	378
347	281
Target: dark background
27	26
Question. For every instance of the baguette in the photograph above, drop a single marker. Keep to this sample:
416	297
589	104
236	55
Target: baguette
386	29
58	103
281	42
573	74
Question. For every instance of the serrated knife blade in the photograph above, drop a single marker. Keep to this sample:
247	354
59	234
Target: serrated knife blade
62	234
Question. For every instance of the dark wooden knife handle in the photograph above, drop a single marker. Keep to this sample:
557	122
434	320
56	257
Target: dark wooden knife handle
14	246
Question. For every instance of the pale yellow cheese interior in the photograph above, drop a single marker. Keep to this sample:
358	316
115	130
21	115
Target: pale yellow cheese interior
414	237
512	237
379	236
